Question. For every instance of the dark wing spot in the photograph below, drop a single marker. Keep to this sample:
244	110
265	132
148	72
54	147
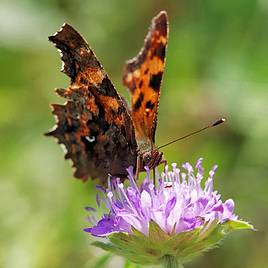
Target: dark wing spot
146	71
71	129
149	105
141	83
159	51
139	101
83	80
106	88
161	23
155	81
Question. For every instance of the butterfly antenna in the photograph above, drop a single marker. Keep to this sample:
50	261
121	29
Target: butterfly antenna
218	122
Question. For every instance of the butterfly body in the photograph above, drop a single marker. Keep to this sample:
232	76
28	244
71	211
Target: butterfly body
100	134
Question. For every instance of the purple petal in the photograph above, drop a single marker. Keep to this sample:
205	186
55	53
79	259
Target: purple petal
170	205
91	209
109	225
209	186
199	163
188	167
100	188
179	199
212	171
98	199
146	199
133	184
203	201
218	208
134	198
228	210
229	205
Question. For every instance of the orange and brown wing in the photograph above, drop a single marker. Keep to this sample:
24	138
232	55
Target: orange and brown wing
94	124
143	76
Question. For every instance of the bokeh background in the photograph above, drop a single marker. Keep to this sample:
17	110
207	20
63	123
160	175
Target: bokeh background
217	65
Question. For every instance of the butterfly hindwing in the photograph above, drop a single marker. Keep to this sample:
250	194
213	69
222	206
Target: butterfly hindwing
143	76
94	124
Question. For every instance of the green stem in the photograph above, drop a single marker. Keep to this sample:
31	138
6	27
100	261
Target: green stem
171	262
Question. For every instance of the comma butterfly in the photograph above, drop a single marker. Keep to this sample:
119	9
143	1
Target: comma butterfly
100	133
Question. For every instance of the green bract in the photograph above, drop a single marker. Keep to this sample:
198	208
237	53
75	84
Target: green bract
158	245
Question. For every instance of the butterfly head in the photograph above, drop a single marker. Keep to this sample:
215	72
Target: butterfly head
152	159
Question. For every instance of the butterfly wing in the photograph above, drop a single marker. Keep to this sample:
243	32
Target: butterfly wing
143	76
93	125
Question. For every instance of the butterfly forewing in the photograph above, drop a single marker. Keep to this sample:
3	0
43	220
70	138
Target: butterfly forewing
143	76
94	124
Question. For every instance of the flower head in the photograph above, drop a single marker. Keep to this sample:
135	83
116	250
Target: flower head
178	211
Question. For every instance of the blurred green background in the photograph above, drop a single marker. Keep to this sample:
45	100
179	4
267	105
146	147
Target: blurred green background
217	65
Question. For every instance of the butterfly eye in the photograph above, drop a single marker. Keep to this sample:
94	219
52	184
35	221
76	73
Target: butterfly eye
90	138
146	158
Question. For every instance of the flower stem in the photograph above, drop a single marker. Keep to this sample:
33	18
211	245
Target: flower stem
171	262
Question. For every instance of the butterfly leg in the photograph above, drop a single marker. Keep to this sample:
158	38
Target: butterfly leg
154	176
157	159
138	167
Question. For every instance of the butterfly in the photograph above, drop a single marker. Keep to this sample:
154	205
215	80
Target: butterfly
100	133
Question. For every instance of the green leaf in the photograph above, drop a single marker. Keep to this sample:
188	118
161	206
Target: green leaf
156	234
233	225
135	247
178	242
151	249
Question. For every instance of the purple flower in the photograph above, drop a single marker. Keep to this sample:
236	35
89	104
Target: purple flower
170	222
178	203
